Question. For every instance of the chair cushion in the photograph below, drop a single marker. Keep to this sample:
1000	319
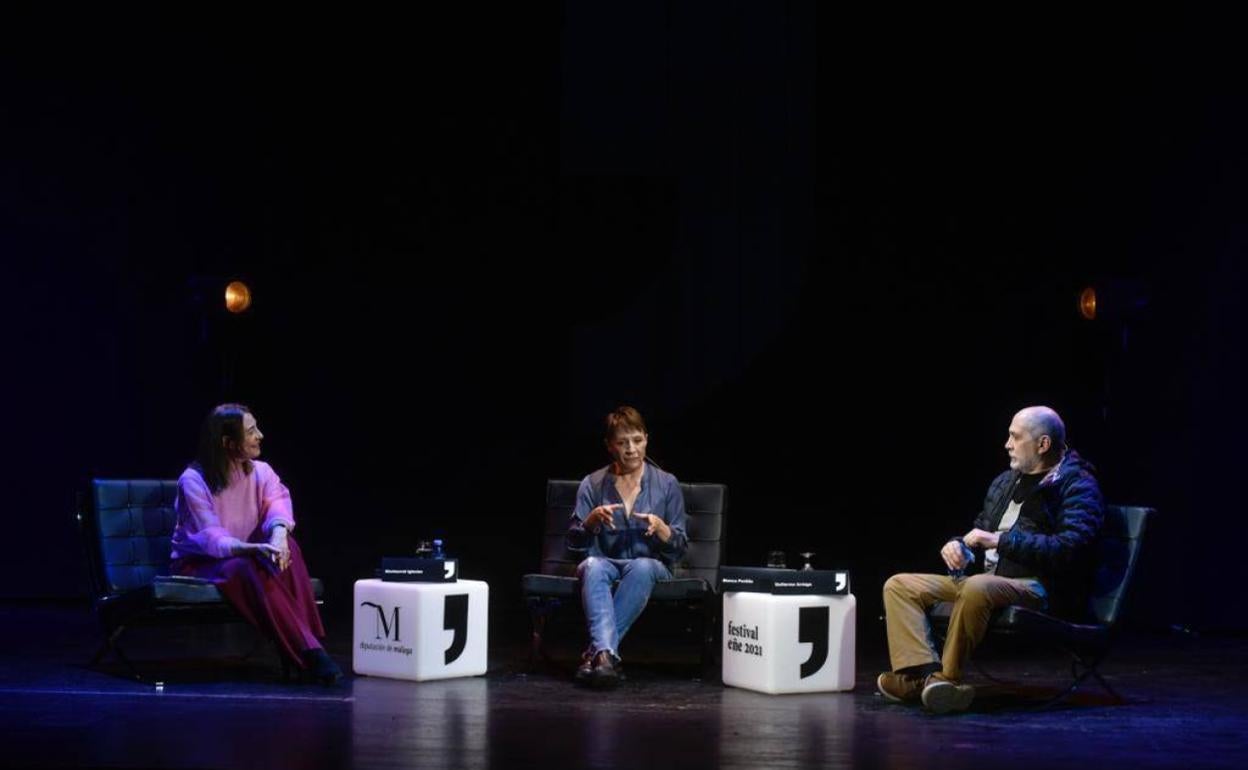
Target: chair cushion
1016	619
554	586
680	589
176	589
179	589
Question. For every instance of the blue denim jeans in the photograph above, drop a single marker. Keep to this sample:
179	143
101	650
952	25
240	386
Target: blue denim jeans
609	617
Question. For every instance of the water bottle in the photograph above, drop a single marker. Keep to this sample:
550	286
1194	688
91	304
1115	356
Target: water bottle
437	550
958	574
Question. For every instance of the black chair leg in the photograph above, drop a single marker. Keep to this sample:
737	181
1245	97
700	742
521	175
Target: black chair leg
111	644
106	646
535	641
134	671
1091	668
1080	670
540	612
711	653
979	667
1097	674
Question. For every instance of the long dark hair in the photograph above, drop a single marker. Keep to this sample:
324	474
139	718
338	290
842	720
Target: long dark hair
213	459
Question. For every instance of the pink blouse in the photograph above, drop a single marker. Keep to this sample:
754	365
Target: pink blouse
246	510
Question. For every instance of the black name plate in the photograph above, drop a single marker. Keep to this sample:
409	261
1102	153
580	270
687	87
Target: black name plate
411	570
769	580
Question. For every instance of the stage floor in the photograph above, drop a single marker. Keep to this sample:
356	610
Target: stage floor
1188	706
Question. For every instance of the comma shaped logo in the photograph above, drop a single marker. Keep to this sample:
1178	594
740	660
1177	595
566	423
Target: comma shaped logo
812	628
455	618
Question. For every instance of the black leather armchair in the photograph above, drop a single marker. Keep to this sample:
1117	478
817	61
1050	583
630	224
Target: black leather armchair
126	532
693	579
1122	535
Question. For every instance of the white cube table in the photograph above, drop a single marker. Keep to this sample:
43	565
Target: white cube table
420	631
788	643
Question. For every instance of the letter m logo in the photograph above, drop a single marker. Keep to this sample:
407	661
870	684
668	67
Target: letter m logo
384	628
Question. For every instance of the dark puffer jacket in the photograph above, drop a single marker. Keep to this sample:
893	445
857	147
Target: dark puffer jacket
1055	540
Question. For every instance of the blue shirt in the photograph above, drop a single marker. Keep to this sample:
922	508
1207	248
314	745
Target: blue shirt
659	494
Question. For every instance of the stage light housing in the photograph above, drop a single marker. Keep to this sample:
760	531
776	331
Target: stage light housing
1087	303
237	297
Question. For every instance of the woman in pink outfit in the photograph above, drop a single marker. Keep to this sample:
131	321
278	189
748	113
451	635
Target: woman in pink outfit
234	525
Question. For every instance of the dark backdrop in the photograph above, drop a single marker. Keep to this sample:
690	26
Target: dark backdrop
471	234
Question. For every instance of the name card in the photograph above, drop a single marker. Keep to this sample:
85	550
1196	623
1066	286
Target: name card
415	570
770	580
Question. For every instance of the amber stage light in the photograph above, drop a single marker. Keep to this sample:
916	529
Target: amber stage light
237	297
1087	303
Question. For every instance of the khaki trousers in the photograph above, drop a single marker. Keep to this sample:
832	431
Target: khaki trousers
908	597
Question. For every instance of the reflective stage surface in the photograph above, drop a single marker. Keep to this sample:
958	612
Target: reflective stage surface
1188	705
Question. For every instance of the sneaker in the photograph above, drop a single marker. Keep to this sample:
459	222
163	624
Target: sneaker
899	688
940	695
607	672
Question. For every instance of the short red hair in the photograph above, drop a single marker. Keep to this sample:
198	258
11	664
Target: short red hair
624	418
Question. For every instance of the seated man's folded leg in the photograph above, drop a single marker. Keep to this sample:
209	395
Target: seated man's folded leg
978	596
907	597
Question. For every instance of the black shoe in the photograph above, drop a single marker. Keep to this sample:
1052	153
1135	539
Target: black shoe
586	669
607	671
320	667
